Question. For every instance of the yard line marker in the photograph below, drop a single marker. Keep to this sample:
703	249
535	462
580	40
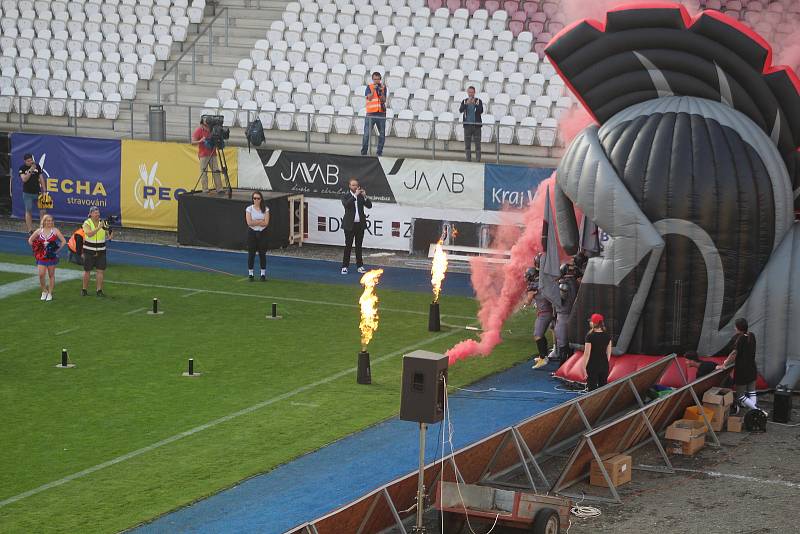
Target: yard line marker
308	404
68	330
288	299
137	310
212	424
192	293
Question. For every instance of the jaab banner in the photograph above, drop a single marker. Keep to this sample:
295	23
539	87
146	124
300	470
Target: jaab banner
510	185
78	173
155	174
421	182
314	174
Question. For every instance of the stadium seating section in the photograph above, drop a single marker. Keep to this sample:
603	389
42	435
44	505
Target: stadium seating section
84	57
309	71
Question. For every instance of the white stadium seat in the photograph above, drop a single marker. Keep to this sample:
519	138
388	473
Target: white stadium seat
402	123
526	131
343	122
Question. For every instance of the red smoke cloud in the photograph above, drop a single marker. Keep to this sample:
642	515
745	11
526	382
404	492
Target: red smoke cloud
499	288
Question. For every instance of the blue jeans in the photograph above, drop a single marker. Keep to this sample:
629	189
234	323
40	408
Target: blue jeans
379	121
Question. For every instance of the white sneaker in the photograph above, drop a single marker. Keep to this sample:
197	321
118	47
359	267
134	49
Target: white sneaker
49	297
362	270
44	295
344	270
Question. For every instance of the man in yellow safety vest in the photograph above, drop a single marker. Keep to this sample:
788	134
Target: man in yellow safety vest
376	113
96	233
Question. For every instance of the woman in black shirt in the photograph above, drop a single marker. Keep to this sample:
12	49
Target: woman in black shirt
745	371
596	353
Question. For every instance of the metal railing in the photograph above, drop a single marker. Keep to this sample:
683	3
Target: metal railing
174	66
72	110
292	130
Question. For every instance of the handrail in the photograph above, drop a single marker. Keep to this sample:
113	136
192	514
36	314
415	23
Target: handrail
192	47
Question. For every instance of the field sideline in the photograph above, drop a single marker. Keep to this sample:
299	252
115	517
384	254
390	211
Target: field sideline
126	438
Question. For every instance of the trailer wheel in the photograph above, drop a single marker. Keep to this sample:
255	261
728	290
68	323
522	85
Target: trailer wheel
546	522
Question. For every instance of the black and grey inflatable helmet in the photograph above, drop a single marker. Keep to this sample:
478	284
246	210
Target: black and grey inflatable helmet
693	172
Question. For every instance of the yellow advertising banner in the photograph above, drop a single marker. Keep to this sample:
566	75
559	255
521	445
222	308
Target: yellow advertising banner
155	174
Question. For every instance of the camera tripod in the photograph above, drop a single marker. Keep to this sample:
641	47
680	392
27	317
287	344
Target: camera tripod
223	165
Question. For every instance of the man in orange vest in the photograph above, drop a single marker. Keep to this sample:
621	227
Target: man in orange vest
376	113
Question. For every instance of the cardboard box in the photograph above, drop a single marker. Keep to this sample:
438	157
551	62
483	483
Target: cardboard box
685	429
693	412
686	448
618	466
734	423
720	396
719	417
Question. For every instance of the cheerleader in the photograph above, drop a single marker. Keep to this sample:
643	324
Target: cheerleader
45	245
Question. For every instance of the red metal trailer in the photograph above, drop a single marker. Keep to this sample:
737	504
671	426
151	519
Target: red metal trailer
539	514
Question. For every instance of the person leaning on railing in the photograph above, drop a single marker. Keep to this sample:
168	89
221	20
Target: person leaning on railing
471	109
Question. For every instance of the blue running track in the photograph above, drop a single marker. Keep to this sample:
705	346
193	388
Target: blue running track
235	263
322	481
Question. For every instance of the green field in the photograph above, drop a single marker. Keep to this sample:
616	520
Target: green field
126	393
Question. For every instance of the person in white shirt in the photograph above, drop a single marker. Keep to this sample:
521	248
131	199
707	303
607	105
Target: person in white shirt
354	222
257	216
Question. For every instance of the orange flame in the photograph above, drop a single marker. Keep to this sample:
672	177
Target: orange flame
438	270
369	306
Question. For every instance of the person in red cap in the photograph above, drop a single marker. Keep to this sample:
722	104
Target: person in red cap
596	353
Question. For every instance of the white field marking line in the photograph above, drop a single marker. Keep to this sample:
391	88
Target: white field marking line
288	299
192	293
212	424
137	310
308	404
717	474
67	331
27	284
4	349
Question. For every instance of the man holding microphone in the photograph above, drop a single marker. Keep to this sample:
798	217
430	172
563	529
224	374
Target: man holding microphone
353	223
376	113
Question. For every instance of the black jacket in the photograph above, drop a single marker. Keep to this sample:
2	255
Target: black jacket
478	110
349	204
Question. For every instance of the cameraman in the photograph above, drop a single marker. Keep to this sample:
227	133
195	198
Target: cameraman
207	156
32	186
376	113
96	233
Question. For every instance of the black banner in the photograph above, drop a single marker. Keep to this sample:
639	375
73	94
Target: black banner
211	221
324	175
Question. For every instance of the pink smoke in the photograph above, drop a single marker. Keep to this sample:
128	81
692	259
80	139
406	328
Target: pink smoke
499	289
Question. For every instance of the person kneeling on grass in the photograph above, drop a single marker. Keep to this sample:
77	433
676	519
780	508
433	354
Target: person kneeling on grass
45	244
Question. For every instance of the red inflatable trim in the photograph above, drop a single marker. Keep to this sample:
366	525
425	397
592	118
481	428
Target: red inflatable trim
622	366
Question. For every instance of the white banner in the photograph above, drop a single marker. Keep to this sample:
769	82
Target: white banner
388	225
420	182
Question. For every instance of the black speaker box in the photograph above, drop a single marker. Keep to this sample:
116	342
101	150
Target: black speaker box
782	406
423	387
